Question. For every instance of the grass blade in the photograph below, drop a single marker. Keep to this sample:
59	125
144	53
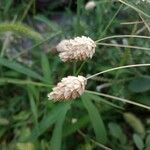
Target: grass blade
22	82
33	104
57	133
20	68
46	122
96	119
46	69
120	99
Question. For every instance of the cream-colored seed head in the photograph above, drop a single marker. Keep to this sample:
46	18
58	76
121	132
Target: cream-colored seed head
90	5
78	48
70	87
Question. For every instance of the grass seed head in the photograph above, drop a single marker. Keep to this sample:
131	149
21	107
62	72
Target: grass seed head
70	87
90	5
78	48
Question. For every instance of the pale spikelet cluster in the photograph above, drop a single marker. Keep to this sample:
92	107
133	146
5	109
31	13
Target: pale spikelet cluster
90	5
70	87
78	48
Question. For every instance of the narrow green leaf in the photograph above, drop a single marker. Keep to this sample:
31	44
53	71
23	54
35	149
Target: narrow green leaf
46	122
57	133
19	68
35	92
33	105
147	142
4	81
46	69
96	120
115	130
138	141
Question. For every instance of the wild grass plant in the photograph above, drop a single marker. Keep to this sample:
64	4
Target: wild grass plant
112	111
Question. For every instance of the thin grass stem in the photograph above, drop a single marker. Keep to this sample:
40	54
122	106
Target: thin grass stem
132	22
23	82
110	22
136	9
122	36
146	24
117	68
119	99
124	46
80	68
93	141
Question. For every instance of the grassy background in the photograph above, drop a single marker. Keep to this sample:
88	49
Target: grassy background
29	68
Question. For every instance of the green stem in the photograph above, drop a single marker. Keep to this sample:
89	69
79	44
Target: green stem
23	82
136	9
124	46
110	22
122	36
81	66
26	10
119	99
74	68
117	68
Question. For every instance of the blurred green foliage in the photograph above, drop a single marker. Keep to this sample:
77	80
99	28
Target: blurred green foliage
29	70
